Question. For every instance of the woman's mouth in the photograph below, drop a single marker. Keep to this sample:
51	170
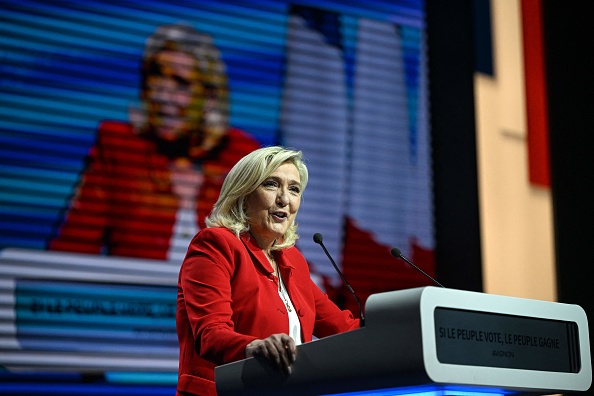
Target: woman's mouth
280	215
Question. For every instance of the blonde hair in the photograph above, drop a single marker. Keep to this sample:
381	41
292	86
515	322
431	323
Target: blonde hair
243	179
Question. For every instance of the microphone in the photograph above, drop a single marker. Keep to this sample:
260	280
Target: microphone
398	254
318	239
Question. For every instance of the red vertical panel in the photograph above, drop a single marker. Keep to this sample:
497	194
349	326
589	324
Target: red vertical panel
536	93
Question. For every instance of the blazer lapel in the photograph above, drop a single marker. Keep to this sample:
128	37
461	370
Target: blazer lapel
257	254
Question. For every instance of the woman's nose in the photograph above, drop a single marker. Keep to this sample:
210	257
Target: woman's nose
282	198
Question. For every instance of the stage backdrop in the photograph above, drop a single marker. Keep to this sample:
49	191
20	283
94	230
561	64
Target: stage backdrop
343	81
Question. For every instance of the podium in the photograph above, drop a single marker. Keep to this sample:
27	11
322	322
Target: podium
435	339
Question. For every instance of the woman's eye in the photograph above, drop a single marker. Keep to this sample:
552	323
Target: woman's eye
269	183
295	189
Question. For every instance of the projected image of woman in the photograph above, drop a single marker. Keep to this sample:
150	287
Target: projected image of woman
150	182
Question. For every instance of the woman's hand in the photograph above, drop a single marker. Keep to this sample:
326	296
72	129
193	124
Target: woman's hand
279	349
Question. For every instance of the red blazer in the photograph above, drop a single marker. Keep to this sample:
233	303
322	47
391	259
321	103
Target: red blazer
125	204
228	296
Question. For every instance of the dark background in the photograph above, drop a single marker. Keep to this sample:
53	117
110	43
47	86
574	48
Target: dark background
569	65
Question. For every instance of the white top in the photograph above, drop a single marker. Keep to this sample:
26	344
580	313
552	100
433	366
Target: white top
186	226
294	324
186	181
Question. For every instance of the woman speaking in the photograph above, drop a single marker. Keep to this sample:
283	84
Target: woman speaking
244	288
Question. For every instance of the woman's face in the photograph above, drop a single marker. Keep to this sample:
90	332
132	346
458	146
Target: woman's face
174	95
272	207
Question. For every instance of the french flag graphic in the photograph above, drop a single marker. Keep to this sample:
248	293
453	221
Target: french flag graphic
353	102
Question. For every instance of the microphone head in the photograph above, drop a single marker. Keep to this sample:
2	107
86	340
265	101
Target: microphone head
396	252
318	238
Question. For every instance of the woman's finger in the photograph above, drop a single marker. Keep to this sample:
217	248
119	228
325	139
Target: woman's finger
279	349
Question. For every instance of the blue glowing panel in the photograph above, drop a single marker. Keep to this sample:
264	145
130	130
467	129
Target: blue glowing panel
344	81
429	391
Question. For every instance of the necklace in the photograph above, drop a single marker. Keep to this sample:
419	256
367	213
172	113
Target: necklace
282	290
284	294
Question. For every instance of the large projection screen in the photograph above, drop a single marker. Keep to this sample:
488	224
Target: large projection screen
343	81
